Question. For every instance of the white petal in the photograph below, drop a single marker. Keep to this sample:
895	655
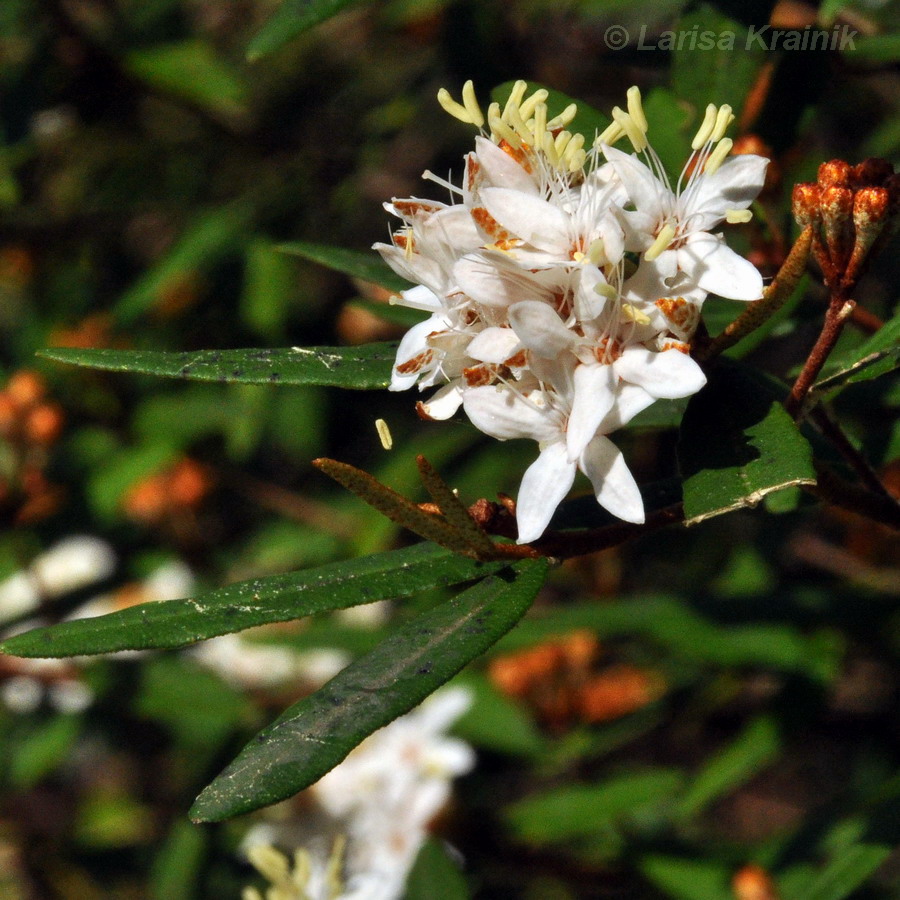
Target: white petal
453	227
494	345
502	414
630	400
540	329
499	169
444	402
588	303
648	194
488	284
419	297
415	267
545	483
535	221
734	185
412	344
669	375
594	397
715	267
614	485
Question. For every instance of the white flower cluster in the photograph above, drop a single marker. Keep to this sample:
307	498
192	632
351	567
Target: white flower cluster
382	797
565	286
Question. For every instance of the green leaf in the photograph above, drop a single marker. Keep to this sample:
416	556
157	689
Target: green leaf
291	19
175	873
877	356
585	809
756	746
191	71
368	266
588	121
43	749
435	876
208	239
688	879
279	598
390	312
360	368
723	73
737	445
846	872
314	735
875	48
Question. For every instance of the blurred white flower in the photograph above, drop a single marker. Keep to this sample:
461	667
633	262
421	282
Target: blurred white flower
378	802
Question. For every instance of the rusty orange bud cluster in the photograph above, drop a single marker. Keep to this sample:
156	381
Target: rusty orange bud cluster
853	211
753	882
157	498
560	680
30	425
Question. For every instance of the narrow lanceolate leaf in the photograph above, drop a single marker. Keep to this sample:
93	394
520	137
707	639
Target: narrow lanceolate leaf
315	734
403	511
737	445
368	266
292	18
280	598
362	368
877	356
454	509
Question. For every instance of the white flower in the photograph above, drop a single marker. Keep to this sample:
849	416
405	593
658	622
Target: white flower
380	800
566	287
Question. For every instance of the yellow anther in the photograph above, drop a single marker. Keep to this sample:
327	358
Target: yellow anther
634	134
612	133
636	108
562	141
457	110
515	98
527	107
717	157
565	117
663	239
384	434
578	256
549	149
518	124
606	290
633	314
471	104
595	251
408	245
737	216
539	126
503	131
724	118
706	128
573	156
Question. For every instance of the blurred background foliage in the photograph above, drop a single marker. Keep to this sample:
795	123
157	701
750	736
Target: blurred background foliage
700	714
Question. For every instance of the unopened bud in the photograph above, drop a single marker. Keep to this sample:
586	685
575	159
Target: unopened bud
871	172
44	424
753	882
805	203
837	223
835	173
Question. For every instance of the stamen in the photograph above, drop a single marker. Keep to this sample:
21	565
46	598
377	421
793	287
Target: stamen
574	155
717	157
663	239
595	251
562	141
500	128
457	110
540	124
428	175
564	118
738	216
634	134
723	119
706	128
515	98
631	313
527	107
384	434
518	124
471	104
549	149
606	290
612	133
636	108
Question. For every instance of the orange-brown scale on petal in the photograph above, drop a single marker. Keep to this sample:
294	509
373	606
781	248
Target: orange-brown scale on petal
518	360
473	171
680	346
411	208
679	312
519	154
479	376
422	413
607	351
404	240
489	225
416	364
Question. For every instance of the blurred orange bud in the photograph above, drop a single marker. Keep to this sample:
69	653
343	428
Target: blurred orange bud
189	483
147	500
618	691
44	424
26	387
753	882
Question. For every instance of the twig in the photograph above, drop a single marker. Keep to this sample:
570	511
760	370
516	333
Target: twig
836	316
